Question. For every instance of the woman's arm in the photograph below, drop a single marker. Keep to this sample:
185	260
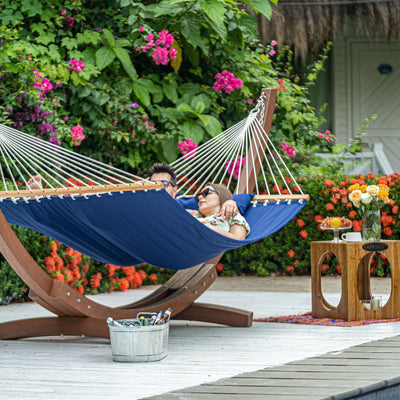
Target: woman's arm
237	232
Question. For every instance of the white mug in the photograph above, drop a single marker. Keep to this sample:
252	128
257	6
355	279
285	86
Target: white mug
352	237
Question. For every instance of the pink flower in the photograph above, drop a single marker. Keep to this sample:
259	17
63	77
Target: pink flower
289	150
149	125
274	43
272	52
70	21
327	133
233	166
63	12
172	52
187	147
162	53
77	134
133	105
225	80
250	101
160	56
150	37
76	65
320	135
165	38
45	85
329	140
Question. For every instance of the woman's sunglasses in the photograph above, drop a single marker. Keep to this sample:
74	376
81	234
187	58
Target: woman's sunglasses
204	193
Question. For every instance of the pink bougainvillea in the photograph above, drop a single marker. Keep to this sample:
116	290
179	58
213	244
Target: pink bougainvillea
163	53
233	166
225	80
186	147
77	134
76	65
288	149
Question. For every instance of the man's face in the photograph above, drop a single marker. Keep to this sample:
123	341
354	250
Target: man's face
164	177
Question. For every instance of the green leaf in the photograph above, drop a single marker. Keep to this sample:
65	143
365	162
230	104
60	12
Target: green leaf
189	88
214	10
54	53
126	62
33	7
69	43
125	3
88	37
170	92
192	130
122	43
191	32
104	57
170	149
109	37
260	6
142	93
8	17
211	124
199	107
183	107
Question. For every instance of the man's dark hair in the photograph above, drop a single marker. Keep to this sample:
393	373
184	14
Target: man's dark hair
159	168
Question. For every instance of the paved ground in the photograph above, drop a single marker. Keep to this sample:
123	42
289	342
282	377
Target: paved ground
287	284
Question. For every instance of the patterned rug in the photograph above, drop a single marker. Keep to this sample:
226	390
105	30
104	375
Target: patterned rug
307	319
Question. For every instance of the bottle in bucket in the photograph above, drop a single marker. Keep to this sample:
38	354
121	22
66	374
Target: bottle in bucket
166	317
158	318
111	322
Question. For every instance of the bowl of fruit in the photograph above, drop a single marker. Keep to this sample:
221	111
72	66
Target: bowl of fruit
335	224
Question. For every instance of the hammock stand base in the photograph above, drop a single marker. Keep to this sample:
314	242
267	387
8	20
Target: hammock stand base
78	315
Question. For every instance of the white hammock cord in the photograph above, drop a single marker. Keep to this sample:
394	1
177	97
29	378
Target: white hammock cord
201	153
66	153
219	154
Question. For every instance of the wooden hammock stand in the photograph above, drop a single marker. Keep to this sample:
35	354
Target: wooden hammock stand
78	315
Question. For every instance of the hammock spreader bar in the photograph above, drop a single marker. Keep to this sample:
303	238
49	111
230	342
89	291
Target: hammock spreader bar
152	227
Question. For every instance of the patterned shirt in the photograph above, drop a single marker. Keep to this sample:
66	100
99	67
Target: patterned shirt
219	221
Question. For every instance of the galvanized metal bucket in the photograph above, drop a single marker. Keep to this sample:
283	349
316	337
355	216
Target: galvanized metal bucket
138	343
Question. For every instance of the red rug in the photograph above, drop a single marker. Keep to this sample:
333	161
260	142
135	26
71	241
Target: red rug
307	319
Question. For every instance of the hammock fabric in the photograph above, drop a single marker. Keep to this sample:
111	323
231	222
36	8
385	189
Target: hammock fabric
152	226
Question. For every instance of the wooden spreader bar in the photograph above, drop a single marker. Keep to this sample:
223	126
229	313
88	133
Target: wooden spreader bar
81	190
282	197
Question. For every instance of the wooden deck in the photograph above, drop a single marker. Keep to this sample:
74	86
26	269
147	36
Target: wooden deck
369	372
203	357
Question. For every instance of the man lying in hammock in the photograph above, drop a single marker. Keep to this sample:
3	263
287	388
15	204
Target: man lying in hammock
162	172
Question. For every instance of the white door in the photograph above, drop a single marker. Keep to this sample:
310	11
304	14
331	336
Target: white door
375	87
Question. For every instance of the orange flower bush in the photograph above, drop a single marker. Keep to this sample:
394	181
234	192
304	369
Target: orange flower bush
329	198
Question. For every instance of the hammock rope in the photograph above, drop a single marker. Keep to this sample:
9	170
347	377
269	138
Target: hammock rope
220	160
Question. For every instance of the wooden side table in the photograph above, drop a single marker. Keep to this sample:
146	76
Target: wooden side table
355	264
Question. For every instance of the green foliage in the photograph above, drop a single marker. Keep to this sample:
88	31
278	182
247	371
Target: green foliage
176	100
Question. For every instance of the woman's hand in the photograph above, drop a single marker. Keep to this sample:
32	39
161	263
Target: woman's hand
228	210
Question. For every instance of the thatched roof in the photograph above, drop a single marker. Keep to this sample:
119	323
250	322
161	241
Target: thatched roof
307	25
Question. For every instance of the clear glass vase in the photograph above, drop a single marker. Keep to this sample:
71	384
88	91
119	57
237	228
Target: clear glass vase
371	225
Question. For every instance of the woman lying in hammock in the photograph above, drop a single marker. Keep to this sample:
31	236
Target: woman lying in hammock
210	201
